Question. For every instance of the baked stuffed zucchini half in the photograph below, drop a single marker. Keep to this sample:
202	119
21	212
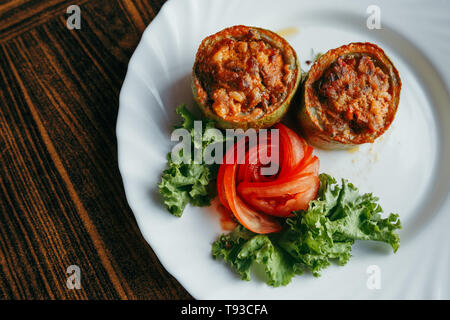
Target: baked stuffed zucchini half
350	97
245	77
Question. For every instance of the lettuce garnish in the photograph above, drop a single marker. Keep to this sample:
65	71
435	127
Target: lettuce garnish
194	183
313	238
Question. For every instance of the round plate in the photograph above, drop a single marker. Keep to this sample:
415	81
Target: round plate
407	168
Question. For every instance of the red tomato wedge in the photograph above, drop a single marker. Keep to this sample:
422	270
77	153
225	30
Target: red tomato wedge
249	218
258	200
284	207
290	140
296	184
229	157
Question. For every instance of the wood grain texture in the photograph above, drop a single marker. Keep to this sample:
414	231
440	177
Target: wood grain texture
62	201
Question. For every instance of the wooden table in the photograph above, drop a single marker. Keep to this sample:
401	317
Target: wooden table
62	201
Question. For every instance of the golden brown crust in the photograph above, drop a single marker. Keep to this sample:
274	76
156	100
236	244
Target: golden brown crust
350	97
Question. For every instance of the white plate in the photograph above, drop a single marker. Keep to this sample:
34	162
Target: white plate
408	168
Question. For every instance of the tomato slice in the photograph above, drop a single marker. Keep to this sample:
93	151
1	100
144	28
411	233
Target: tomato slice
284	208
251	169
287	154
270	206
249	218
310	167
296	144
229	157
301	200
275	188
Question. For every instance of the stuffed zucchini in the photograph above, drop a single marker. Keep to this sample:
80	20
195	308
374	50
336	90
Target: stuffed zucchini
245	77
350	96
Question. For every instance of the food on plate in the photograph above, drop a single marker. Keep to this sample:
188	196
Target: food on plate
310	240
350	97
256	199
245	77
293	219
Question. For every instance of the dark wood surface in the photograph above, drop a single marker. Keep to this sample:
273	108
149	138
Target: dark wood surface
62	201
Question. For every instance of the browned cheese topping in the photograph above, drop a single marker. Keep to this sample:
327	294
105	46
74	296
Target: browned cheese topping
355	96
243	76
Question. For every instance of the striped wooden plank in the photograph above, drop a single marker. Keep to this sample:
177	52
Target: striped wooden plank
62	201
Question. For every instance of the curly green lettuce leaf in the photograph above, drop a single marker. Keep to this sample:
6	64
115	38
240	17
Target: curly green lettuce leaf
354	216
241	248
313	238
186	183
194	183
